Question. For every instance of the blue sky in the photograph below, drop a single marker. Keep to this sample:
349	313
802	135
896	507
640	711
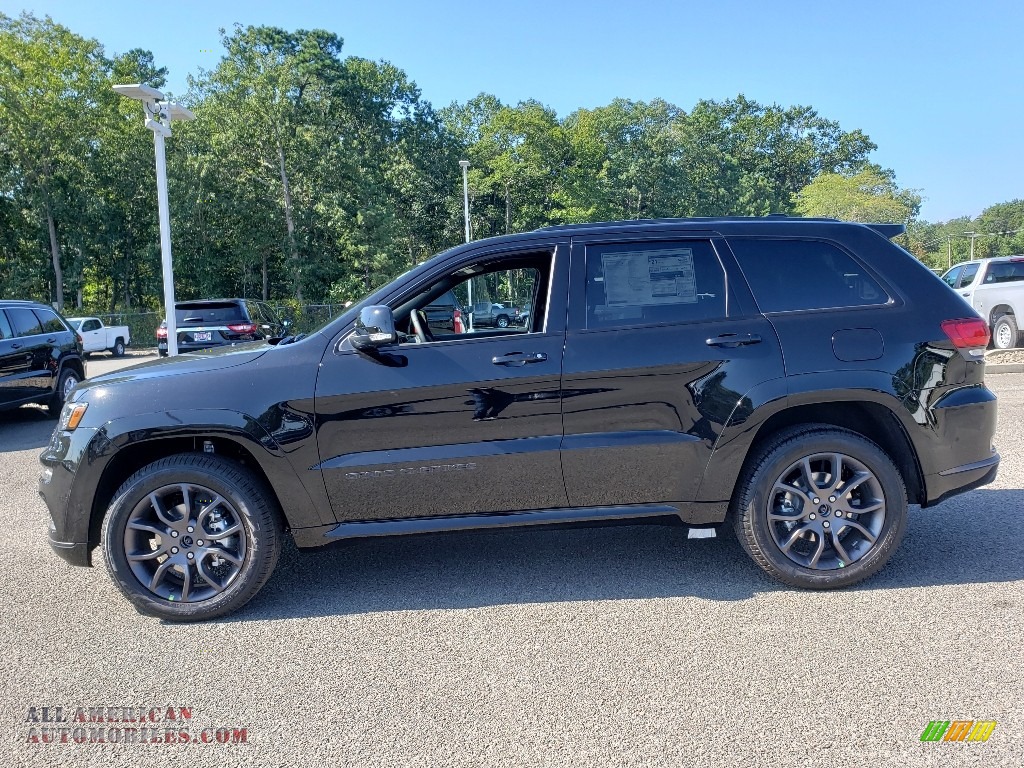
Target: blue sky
939	86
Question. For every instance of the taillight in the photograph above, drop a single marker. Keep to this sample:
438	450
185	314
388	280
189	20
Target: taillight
457	322
80	339
161	332
971	333
242	328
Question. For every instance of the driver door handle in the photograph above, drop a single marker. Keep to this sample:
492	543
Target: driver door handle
734	340
519	358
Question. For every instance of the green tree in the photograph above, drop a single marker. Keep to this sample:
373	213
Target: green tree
870	195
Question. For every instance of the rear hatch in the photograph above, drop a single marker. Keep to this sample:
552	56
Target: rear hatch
204	324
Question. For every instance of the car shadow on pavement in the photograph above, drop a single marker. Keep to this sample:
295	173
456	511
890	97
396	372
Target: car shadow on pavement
25	428
978	537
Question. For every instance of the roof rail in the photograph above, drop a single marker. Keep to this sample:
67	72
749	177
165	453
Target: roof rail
684	220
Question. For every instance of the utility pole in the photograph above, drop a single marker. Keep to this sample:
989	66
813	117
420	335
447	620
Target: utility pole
949	252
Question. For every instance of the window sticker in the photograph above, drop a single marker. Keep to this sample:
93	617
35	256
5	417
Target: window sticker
648	278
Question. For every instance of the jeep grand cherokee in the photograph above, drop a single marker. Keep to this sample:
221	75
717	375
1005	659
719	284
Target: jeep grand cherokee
802	379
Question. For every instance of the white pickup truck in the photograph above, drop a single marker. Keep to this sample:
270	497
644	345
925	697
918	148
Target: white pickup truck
995	288
97	337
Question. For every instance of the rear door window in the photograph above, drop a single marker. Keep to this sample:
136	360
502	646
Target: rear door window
25	322
654	283
788	275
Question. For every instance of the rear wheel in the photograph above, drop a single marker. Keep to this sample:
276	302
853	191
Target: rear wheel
118	349
67	381
1005	332
502	321
191	537
820	508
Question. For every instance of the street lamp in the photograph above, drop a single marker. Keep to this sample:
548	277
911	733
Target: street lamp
465	210
159	114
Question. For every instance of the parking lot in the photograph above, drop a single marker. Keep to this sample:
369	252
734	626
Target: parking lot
616	646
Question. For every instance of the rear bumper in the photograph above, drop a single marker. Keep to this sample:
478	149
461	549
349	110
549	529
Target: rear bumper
951	482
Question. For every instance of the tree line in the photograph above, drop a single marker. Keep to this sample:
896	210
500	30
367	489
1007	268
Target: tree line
310	176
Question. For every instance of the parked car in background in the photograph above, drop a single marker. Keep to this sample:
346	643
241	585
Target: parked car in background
488	314
97	337
210	323
799	380
995	288
41	358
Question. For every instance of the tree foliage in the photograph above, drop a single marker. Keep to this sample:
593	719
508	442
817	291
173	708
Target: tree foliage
311	176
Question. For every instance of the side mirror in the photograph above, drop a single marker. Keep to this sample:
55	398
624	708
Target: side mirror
375	328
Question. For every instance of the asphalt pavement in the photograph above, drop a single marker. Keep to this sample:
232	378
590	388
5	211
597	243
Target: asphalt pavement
626	646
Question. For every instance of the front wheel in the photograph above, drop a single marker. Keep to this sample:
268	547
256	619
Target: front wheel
69	378
820	508
1005	332
191	537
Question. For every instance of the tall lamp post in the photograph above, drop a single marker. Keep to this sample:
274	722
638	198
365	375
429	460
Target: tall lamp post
465	210
159	114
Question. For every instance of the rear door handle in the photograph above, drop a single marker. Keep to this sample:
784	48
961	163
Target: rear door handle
968	295
734	340
15	346
519	358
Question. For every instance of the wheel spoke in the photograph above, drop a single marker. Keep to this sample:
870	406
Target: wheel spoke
873	507
841	552
864	531
137	526
226	532
817	552
798	533
201	571
837	471
161	513
805	467
186	496
855	482
158	575
186	584
146	555
229	556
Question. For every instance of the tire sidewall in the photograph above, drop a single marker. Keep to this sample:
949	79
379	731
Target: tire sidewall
1011	329
892	528
116	520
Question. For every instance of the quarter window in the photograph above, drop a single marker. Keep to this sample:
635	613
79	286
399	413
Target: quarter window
5	327
654	283
50	322
787	275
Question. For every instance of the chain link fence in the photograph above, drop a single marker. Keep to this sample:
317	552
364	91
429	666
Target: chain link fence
142	325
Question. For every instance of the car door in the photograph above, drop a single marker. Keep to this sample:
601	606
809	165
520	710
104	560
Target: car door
37	374
662	348
93	336
456	424
15	364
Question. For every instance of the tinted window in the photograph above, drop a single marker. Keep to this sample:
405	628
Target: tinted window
50	322
951	276
25	322
970	270
653	283
210	313
90	325
788	275
1005	272
5	327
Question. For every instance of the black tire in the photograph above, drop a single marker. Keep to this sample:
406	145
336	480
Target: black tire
163	353
1005	334
502	321
247	509
799	517
118	349
65	383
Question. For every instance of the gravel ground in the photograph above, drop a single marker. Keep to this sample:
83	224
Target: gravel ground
625	646
1005	356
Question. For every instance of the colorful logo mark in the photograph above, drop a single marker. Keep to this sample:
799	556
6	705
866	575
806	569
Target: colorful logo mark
958	730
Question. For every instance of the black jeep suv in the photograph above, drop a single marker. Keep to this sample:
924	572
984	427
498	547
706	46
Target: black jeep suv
219	322
40	356
802	379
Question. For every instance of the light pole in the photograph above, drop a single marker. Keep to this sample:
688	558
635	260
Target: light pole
465	210
159	114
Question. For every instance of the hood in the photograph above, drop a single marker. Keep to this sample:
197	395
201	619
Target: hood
214	359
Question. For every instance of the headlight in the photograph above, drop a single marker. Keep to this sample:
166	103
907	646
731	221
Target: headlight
71	415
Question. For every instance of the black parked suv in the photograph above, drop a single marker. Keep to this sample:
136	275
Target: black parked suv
802	379
40	356
218	322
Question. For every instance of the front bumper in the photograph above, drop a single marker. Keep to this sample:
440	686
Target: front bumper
69	514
